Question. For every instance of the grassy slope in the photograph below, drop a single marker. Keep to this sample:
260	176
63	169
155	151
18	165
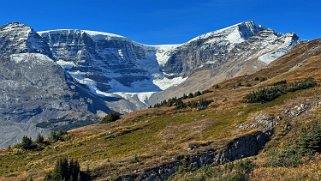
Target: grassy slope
153	136
306	62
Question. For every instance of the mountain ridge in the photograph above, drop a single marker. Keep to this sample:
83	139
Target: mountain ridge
100	72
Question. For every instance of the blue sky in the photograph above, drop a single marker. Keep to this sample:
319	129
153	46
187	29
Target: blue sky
165	21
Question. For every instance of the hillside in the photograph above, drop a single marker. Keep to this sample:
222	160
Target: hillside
188	143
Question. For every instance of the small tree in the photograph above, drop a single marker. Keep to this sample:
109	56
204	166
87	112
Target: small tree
26	143
66	170
74	169
111	117
56	136
180	104
185	96
203	104
40	139
198	93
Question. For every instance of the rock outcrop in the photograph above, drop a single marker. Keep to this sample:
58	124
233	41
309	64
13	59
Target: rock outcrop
241	147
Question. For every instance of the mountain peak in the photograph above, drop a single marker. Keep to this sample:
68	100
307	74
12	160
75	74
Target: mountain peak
248	23
234	34
17	37
15	26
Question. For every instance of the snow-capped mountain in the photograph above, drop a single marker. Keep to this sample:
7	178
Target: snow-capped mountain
241	42
211	58
19	38
36	94
112	65
63	78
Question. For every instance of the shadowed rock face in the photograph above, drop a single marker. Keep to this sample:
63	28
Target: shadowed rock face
98	58
36	94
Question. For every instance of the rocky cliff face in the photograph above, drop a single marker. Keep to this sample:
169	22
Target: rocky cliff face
110	65
114	66
36	94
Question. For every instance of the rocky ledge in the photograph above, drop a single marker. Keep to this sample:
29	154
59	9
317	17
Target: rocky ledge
241	147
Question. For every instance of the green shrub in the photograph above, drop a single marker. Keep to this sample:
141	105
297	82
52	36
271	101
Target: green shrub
40	139
279	88
309	139
198	93
178	101
239	171
244	166
233	171
264	95
200	105
287	157
185	96
307	142
203	104
261	79
26	143
111	117
56	136
180	105
308	83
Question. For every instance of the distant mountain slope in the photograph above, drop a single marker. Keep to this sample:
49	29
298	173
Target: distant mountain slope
112	65
220	55
36	94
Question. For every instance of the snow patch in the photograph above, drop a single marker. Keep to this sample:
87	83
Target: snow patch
271	56
284	48
166	83
235	37
163	53
67	65
97	34
120	53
